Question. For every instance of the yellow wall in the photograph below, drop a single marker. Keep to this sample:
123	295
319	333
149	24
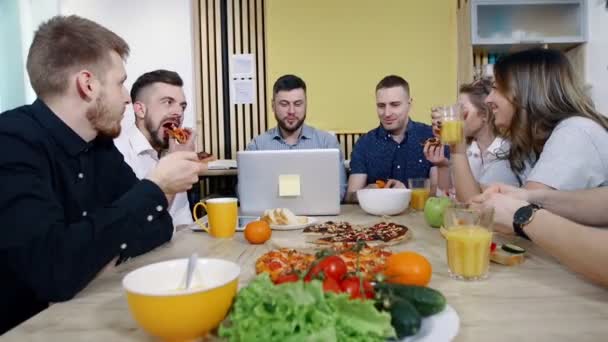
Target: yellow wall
342	48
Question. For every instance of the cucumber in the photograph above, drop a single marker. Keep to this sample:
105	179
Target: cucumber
512	249
427	301
404	318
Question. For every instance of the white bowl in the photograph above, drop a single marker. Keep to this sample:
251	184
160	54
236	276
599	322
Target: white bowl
384	201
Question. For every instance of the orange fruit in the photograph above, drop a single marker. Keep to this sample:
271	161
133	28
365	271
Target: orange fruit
380	184
257	232
408	268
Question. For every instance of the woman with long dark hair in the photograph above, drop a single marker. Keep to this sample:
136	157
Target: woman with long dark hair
558	140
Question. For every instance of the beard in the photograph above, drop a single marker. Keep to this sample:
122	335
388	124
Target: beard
106	123
157	142
290	129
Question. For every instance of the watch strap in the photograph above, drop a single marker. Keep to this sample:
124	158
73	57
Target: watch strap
518	228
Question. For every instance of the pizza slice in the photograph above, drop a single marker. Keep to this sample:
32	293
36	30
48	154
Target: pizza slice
180	134
283	261
389	232
328	228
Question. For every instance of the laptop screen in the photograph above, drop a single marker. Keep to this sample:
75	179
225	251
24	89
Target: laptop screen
305	181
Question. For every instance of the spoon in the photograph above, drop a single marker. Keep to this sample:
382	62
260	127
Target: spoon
192	262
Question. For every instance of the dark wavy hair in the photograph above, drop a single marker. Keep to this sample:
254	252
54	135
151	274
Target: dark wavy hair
543	88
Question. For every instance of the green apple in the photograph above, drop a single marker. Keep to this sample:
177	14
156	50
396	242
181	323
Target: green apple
434	209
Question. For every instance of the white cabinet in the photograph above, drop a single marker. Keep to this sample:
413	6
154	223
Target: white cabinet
498	24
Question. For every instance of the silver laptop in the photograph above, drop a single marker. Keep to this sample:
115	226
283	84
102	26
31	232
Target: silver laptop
305	181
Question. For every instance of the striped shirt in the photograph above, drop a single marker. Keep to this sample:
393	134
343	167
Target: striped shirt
310	138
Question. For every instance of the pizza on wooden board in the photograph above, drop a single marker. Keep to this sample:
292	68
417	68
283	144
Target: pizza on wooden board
386	233
328	227
368	260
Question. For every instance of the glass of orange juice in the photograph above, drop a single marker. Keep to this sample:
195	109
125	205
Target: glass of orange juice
421	190
452	124
468	233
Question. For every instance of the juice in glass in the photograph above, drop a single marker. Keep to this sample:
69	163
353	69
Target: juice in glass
421	190
468	234
451	125
468	250
452	132
419	197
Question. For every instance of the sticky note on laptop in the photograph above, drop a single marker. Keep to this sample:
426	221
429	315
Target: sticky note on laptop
289	185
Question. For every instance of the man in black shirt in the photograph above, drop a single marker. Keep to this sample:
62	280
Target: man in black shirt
69	204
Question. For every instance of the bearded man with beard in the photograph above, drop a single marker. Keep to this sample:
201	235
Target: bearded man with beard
158	101
289	107
70	205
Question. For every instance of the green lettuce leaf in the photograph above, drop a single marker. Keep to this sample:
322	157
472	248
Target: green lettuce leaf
302	312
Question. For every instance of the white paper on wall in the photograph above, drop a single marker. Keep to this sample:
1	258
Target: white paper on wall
242	79
242	66
242	91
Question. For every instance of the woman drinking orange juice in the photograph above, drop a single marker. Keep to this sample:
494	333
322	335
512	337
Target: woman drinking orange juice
485	148
553	128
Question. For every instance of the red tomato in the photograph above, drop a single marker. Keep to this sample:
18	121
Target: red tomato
287	278
331	285
313	273
368	289
333	267
352	286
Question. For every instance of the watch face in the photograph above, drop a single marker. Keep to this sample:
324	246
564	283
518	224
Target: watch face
523	215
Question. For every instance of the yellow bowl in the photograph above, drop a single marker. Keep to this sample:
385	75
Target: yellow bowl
164	310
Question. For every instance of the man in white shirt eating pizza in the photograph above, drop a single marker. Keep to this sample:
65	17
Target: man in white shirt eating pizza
159	103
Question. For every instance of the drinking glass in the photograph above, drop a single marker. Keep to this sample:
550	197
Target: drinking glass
468	233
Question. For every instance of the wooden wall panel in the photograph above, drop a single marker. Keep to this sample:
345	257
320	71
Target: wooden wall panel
245	35
465	49
347	142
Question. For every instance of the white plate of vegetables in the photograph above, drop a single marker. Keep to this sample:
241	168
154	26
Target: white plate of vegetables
302	311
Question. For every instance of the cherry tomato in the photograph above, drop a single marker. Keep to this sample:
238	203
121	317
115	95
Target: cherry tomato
492	247
368	289
313	273
287	278
331	285
333	267
352	286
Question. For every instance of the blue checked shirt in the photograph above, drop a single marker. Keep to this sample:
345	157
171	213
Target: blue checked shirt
310	138
379	156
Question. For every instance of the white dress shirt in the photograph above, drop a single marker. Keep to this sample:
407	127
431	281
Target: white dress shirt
142	158
491	166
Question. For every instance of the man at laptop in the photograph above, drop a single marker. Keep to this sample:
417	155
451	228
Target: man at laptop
289	107
158	100
391	152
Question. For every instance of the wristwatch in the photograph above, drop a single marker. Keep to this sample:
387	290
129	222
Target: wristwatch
522	217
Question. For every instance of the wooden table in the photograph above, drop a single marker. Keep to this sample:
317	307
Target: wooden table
536	301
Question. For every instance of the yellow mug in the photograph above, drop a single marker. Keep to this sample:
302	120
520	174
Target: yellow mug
222	216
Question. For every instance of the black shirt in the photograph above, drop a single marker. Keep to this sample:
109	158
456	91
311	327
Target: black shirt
67	209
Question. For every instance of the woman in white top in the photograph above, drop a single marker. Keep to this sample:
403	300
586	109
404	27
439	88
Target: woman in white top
486	151
554	130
